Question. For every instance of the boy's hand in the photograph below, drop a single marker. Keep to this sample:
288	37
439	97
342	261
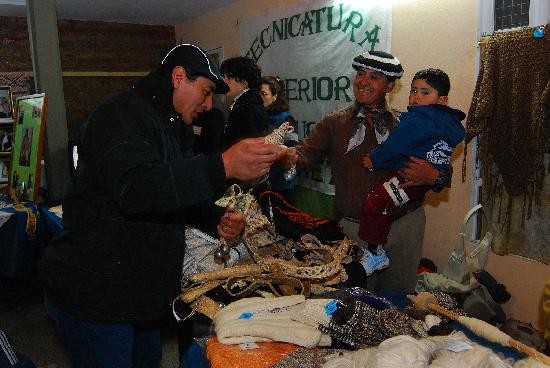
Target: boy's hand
367	162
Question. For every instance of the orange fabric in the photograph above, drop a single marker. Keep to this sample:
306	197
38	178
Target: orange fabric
232	356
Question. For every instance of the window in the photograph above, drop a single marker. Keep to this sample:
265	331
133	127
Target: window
511	14
499	15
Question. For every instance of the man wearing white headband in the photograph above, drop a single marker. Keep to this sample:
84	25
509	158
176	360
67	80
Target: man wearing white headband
345	136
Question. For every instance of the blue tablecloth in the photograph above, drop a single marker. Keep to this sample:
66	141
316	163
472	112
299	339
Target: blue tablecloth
21	240
54	222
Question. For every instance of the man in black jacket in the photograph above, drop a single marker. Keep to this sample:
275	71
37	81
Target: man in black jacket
111	275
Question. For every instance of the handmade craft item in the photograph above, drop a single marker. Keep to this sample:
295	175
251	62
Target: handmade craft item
277	136
274	261
274	265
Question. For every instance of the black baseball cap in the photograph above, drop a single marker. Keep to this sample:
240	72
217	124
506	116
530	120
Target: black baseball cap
194	59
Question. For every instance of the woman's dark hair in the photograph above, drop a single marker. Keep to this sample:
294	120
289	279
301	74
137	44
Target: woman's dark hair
277	88
242	68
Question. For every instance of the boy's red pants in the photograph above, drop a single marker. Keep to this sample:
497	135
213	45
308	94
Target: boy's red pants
376	213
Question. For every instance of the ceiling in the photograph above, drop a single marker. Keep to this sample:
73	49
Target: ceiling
157	12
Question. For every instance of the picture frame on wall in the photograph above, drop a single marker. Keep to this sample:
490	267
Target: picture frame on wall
216	55
29	127
6	105
4	171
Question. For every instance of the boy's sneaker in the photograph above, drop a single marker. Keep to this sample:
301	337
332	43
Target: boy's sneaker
375	261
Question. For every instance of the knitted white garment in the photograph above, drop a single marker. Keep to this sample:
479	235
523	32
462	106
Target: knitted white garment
313	313
266	319
282	330
257	306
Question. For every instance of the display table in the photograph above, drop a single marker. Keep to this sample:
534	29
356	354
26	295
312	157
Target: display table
212	353
23	235
53	218
262	354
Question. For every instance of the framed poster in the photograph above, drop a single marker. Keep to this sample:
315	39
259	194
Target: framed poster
6	105
4	171
29	127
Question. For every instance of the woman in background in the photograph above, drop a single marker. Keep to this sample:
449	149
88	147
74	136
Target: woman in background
276	103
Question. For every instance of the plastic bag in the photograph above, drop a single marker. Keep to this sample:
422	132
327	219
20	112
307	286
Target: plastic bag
468	257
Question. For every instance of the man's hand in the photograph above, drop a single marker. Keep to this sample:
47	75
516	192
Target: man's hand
367	162
250	159
418	172
231	225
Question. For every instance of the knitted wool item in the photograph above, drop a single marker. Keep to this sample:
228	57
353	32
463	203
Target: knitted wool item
304	358
394	323
355	324
267	319
379	61
506	113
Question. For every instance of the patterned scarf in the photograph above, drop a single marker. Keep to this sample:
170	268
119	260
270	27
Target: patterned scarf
377	118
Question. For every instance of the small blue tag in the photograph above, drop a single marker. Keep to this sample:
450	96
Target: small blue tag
538	33
246	315
331	307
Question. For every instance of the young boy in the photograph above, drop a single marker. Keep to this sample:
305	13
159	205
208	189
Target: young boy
428	130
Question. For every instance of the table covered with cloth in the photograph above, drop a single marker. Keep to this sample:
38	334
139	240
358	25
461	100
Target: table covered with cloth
209	352
23	234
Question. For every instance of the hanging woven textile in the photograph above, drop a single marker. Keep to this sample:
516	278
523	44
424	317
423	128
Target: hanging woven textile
507	114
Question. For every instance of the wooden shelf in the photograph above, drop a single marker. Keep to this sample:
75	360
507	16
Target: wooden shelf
5	154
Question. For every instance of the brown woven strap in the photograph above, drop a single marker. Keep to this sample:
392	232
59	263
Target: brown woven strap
192	293
235	271
206	306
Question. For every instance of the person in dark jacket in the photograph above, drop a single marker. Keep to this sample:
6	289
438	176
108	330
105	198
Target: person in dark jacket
111	276
247	116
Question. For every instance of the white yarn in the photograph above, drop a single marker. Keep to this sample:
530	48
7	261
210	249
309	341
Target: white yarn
432	320
434	352
398	351
481	328
340	360
478	357
529	363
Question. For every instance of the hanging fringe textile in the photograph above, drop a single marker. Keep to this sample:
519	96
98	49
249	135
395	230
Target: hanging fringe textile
506	110
507	114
